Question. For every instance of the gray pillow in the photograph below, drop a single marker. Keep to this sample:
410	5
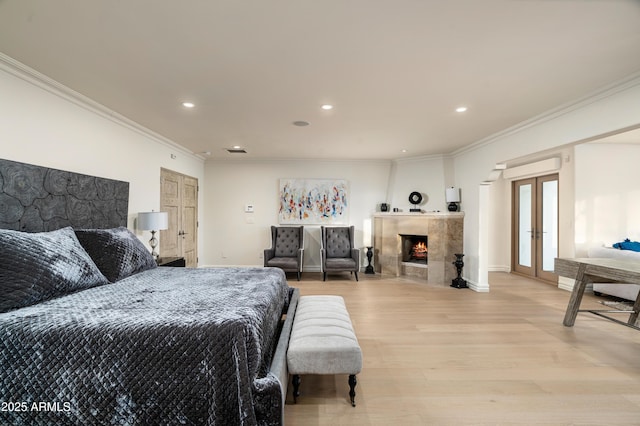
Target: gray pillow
39	266
117	252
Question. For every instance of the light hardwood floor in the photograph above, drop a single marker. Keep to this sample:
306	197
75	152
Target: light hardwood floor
436	355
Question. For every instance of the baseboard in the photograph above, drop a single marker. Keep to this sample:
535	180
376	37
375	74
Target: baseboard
567	284
304	269
499	268
476	287
231	266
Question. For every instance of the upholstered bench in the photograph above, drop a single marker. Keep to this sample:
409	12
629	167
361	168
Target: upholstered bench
323	342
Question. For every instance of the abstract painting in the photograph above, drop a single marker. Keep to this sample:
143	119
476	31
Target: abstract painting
313	201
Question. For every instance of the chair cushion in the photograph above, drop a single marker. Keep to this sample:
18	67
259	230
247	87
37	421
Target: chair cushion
340	264
287	242
284	263
338	242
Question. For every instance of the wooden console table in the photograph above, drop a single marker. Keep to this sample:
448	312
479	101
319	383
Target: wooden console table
588	270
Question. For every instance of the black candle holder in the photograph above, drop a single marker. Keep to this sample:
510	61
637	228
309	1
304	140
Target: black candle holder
458	282
369	268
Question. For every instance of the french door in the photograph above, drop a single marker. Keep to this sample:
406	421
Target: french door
535	226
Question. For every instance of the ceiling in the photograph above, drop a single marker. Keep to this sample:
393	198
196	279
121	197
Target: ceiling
395	70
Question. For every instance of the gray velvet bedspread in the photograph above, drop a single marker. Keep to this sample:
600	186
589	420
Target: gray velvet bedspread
166	346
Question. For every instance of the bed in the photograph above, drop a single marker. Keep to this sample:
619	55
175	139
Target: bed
93	332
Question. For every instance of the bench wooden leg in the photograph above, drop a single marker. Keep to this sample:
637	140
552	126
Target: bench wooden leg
296	387
352	389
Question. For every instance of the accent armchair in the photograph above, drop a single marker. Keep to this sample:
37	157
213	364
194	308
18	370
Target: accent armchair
338	252
287	249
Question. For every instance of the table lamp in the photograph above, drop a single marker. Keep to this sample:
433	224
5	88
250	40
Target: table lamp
153	221
452	196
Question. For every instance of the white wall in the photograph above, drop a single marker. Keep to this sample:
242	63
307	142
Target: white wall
48	126
613	110
607	196
233	237
422	174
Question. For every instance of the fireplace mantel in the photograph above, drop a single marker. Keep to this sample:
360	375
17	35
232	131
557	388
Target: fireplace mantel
423	214
444	231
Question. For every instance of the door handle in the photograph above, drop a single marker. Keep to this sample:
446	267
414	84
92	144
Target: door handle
182	233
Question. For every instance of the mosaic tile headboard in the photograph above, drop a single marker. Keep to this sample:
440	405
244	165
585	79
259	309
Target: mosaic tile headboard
36	199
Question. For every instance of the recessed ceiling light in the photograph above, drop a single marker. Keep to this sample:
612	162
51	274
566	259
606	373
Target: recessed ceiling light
188	104
326	107
404	150
300	123
237	147
461	109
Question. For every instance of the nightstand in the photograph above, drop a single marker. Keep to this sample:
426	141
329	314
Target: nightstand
171	261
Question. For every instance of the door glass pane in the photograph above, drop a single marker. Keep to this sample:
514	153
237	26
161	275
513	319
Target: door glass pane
524	226
549	224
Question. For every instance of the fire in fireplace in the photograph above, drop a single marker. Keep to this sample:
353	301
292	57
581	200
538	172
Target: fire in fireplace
415	249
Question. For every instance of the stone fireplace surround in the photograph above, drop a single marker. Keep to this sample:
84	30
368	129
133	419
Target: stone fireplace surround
444	231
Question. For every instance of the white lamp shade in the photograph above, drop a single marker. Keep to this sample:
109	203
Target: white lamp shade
452	195
366	233
153	221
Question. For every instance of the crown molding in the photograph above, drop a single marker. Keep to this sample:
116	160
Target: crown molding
239	159
626	83
420	158
31	76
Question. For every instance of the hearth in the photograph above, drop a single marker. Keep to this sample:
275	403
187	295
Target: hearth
415	249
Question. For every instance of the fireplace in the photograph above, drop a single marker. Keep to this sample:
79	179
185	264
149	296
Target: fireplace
414	249
445	231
